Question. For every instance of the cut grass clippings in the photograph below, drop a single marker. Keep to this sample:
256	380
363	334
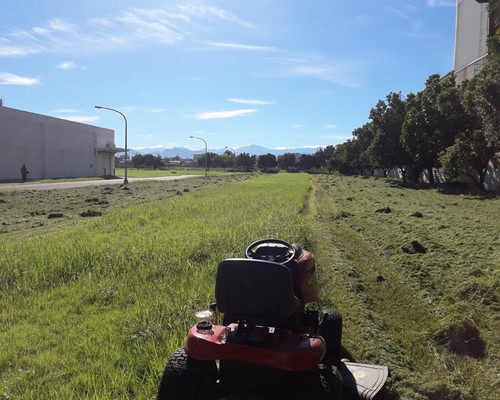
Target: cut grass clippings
417	285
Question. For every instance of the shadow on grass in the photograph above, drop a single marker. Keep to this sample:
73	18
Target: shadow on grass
452	188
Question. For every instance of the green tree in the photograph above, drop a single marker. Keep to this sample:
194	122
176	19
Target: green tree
147	161
323	156
479	142
359	150
494	10
267	161
225	160
245	161
201	159
429	127
486	92
469	156
308	162
345	159
287	161
386	149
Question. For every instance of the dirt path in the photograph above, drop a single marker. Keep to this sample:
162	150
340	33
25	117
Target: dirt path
73	184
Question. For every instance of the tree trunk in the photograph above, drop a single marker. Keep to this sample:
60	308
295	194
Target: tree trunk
431	176
482	175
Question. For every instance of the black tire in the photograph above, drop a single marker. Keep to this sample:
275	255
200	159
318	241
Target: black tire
185	378
330	328
321	383
331	381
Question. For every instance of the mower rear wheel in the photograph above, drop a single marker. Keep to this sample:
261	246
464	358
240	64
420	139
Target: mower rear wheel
331	381
185	378
330	328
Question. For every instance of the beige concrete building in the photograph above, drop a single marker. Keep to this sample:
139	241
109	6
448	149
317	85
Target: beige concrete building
53	147
473	26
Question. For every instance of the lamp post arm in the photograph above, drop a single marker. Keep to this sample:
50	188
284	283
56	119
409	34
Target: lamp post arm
206	152
125	181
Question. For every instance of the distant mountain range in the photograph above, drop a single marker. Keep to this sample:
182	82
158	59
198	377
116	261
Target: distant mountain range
185	152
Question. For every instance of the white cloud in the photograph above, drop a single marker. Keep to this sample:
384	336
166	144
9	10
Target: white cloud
149	136
403	10
225	114
250	101
58	25
330	126
66	111
11	79
336	138
127	29
240	46
67	65
202	11
316	66
78	118
441	3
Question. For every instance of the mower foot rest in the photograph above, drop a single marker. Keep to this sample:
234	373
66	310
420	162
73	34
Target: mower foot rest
363	381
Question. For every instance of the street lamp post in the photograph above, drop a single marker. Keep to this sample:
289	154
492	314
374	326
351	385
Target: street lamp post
234	160
125	181
206	153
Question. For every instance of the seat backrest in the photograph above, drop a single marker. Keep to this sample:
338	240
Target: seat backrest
255	290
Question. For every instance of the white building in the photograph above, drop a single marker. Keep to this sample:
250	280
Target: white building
473	26
53	147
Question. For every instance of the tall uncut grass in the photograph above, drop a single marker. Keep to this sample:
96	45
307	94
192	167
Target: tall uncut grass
95	311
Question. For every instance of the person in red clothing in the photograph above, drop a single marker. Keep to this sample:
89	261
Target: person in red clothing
24	173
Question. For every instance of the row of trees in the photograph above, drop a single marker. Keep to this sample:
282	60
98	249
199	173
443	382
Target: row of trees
455	128
267	162
148	161
243	161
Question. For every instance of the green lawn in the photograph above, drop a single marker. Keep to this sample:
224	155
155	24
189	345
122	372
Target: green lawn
91	308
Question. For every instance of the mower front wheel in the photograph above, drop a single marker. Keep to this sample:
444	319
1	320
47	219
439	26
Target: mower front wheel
185	378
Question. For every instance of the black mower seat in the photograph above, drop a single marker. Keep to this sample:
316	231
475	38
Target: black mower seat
255	290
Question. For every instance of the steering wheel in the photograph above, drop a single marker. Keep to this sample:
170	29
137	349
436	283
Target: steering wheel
272	250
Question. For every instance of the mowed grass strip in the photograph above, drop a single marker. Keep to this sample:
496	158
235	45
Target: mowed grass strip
411	271
95	311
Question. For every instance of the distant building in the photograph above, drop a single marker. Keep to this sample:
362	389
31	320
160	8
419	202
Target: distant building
473	26
53	147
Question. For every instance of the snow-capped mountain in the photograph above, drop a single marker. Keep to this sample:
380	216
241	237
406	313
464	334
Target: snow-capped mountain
185	152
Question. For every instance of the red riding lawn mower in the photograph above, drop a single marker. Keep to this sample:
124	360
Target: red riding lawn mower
265	337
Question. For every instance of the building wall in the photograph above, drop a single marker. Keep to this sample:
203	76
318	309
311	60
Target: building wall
472	28
51	147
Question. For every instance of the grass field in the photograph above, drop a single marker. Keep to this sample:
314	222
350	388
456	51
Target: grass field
92	307
149	173
416	275
24	210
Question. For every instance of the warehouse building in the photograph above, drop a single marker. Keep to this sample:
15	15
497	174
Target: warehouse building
53	147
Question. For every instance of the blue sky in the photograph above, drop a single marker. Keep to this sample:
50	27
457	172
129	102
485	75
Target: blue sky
278	73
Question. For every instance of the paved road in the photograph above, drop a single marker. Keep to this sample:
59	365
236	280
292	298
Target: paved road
72	184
